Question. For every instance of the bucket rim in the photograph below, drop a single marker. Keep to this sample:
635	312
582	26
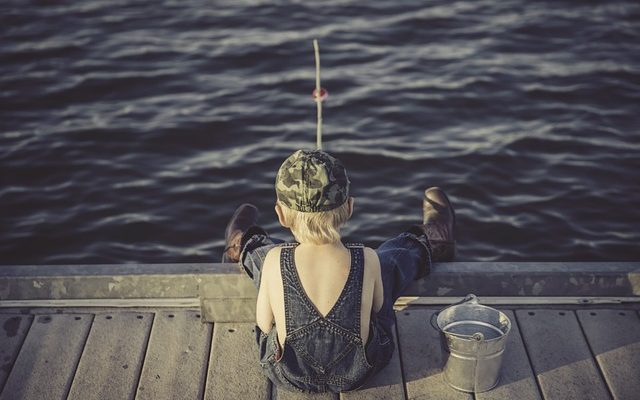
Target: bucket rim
471	300
471	338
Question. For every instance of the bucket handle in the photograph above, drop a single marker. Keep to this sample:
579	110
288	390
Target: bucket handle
443	340
470	298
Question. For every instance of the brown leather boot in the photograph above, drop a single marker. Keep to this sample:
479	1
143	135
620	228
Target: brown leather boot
439	221
243	218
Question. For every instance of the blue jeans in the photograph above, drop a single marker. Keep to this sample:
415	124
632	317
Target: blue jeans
403	259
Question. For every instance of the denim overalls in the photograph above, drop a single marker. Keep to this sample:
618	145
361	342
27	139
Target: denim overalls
323	354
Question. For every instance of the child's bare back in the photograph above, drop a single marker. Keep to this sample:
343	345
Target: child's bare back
323	271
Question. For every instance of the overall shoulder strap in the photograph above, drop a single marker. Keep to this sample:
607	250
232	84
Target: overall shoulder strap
298	309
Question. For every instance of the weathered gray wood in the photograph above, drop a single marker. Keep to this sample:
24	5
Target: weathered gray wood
112	358
560	355
285	395
386	384
229	310
116	281
516	378
234	372
47	360
422	359
14	330
175	365
103	303
617	279
26	282
404	301
614	337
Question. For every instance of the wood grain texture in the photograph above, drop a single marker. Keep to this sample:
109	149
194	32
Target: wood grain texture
175	365
560	355
12	335
234	372
517	380
113	356
48	358
422	358
282	394
614	337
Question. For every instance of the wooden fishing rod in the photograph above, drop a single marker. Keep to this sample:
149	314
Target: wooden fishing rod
319	94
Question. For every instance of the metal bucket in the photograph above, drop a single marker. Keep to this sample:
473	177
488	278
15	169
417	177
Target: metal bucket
475	337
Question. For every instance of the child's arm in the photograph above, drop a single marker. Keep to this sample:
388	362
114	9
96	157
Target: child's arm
264	313
378	291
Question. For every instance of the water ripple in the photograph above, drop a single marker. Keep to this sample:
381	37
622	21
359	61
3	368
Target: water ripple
131	130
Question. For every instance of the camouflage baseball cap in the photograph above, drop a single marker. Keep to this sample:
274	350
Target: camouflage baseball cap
312	181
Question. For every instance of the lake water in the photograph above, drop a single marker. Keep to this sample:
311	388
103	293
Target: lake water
130	130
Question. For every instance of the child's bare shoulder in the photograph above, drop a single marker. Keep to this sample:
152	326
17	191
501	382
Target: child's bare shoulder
271	264
370	253
371	260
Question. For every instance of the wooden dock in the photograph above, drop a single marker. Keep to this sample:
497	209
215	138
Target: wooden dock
159	344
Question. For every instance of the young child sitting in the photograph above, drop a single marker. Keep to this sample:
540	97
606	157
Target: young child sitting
331	302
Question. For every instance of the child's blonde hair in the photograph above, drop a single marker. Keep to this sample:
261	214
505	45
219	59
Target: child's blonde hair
321	227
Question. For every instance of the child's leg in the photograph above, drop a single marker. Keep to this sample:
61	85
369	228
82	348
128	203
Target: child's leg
247	243
403	259
256	243
409	256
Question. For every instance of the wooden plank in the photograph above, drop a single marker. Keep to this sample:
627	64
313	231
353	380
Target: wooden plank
560	355
614	337
48	358
422	358
514	300
29	282
516	376
283	394
175	365
386	384
14	330
229	309
112	359
102	303
234	372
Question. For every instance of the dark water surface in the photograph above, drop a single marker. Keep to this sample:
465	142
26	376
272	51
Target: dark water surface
130	130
